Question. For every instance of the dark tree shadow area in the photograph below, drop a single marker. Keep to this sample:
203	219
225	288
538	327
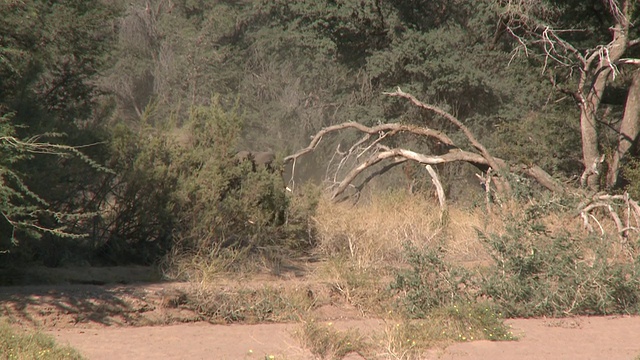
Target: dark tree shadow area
87	297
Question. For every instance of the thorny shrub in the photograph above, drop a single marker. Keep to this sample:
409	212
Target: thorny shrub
430	283
537	271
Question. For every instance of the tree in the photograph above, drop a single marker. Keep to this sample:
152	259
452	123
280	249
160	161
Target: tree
24	212
585	48
50	54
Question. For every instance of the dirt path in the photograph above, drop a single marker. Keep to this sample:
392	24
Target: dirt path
187	341
609	338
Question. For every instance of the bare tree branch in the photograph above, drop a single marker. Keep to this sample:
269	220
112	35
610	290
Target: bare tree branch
453	156
476	144
393	128
439	189
484	161
598	66
611	203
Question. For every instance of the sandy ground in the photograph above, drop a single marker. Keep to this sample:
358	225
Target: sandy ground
133	321
609	338
187	341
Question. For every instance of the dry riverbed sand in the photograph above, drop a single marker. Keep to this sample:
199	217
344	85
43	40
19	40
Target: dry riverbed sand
129	321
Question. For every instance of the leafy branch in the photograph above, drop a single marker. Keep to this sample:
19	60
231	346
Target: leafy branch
20	207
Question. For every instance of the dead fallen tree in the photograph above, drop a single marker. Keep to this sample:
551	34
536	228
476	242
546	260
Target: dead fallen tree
371	150
371	147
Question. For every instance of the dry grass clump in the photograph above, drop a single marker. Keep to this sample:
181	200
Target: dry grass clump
364	288
372	234
326	342
208	265
248	304
460	232
202	266
362	246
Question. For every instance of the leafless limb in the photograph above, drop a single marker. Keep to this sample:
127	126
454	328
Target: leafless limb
407	154
393	128
474	142
613	204
439	189
380	152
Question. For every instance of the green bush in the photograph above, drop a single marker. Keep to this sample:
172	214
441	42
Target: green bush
631	174
537	272
180	190
32	345
467	321
137	216
431	283
221	201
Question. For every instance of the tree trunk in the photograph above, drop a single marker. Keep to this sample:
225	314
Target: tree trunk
629	129
590	104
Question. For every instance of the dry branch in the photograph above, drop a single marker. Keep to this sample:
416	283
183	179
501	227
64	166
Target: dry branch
465	130
439	189
611	202
596	68
367	144
452	156
393	128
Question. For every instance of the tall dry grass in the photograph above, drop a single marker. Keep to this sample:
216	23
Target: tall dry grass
372	235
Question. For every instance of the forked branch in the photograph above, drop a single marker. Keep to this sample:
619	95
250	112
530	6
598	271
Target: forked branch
465	130
374	145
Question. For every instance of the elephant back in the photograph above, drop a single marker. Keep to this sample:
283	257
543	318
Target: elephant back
264	158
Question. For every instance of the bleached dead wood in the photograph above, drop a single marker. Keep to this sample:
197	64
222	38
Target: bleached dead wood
614	205
439	189
372	142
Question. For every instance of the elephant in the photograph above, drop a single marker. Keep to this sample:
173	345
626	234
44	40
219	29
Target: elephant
264	159
243	155
259	159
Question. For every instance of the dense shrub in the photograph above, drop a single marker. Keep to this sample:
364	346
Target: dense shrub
539	272
430	283
536	269
180	188
221	201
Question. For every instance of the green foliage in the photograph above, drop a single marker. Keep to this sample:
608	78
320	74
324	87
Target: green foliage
179	189
631	174
26	214
50	54
136	218
431	283
15	344
535	272
546	139
461	322
539	272
222	201
468	321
